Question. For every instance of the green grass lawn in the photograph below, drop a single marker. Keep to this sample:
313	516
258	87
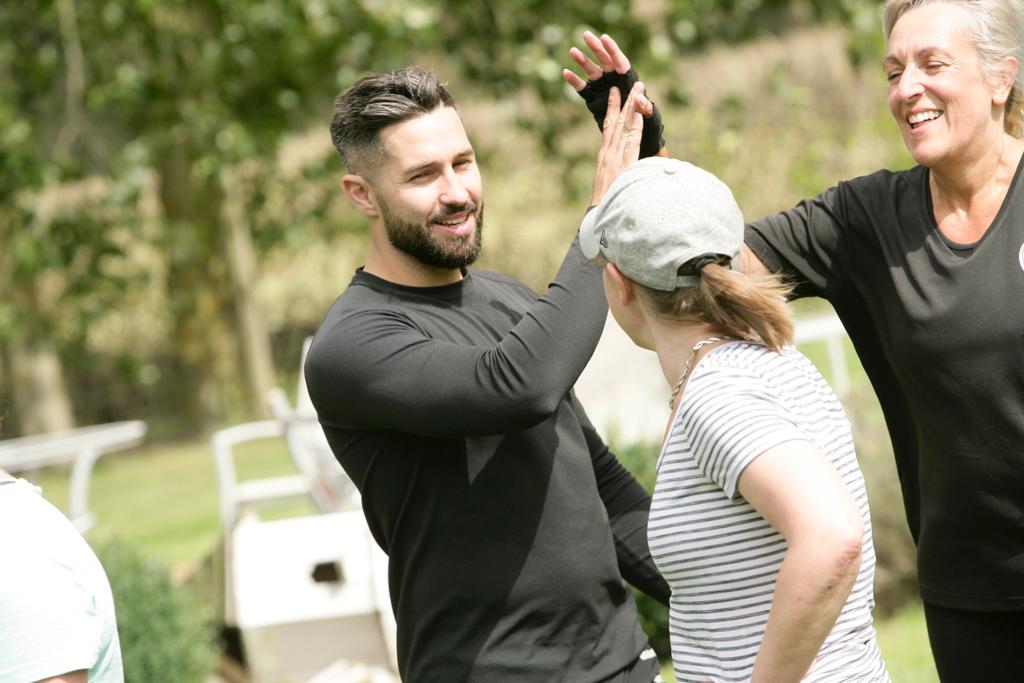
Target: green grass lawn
904	643
164	499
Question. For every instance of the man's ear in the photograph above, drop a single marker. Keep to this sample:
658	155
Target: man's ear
361	194
622	286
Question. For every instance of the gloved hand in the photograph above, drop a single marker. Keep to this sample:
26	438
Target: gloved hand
595	94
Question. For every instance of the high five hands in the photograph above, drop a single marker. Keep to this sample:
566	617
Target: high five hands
620	144
613	71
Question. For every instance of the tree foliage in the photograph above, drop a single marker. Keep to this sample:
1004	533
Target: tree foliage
166	634
173	97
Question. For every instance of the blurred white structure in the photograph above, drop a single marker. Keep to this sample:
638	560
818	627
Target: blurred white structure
308	594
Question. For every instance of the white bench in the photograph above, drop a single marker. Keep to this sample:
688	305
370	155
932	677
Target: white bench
82	447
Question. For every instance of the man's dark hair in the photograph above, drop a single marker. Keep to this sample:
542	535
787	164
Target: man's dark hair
377	101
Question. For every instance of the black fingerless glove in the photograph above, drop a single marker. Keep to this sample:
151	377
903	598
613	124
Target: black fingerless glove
595	94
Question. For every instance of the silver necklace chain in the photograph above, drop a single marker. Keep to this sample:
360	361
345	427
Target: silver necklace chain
686	367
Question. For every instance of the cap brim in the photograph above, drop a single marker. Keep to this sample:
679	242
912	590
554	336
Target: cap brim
590	242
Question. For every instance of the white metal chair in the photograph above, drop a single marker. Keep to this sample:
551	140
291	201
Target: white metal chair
82	447
319	476
307	593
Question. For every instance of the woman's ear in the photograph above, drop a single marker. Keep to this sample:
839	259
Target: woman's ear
1004	81
361	194
620	285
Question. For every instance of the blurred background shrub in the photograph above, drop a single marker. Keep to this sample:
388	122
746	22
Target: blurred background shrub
167	635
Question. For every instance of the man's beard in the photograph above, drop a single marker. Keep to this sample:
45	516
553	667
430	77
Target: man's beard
418	240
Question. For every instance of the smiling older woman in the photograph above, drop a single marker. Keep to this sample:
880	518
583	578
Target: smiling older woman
925	267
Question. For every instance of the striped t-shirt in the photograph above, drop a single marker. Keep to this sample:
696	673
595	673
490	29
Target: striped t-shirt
718	554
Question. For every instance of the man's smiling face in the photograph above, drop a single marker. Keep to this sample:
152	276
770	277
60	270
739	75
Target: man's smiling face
429	190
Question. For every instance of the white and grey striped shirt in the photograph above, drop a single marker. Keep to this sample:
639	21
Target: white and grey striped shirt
718	554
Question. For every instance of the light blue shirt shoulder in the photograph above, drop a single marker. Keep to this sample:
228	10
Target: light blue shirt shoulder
56	608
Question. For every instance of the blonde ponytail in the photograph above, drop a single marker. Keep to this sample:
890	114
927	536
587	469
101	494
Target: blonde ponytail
744	306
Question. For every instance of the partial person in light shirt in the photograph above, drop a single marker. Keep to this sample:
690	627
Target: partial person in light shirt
57	621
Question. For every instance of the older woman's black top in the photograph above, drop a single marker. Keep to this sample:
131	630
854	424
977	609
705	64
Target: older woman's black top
940	332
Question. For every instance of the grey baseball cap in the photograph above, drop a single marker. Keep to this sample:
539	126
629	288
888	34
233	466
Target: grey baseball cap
659	214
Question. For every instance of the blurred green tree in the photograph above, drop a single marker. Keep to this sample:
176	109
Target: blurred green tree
190	97
193	90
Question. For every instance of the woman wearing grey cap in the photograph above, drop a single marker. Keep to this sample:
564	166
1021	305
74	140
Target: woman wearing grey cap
759	519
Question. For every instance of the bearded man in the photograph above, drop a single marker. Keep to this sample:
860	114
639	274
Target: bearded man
446	395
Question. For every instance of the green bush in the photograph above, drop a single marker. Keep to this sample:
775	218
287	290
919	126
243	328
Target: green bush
166	634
